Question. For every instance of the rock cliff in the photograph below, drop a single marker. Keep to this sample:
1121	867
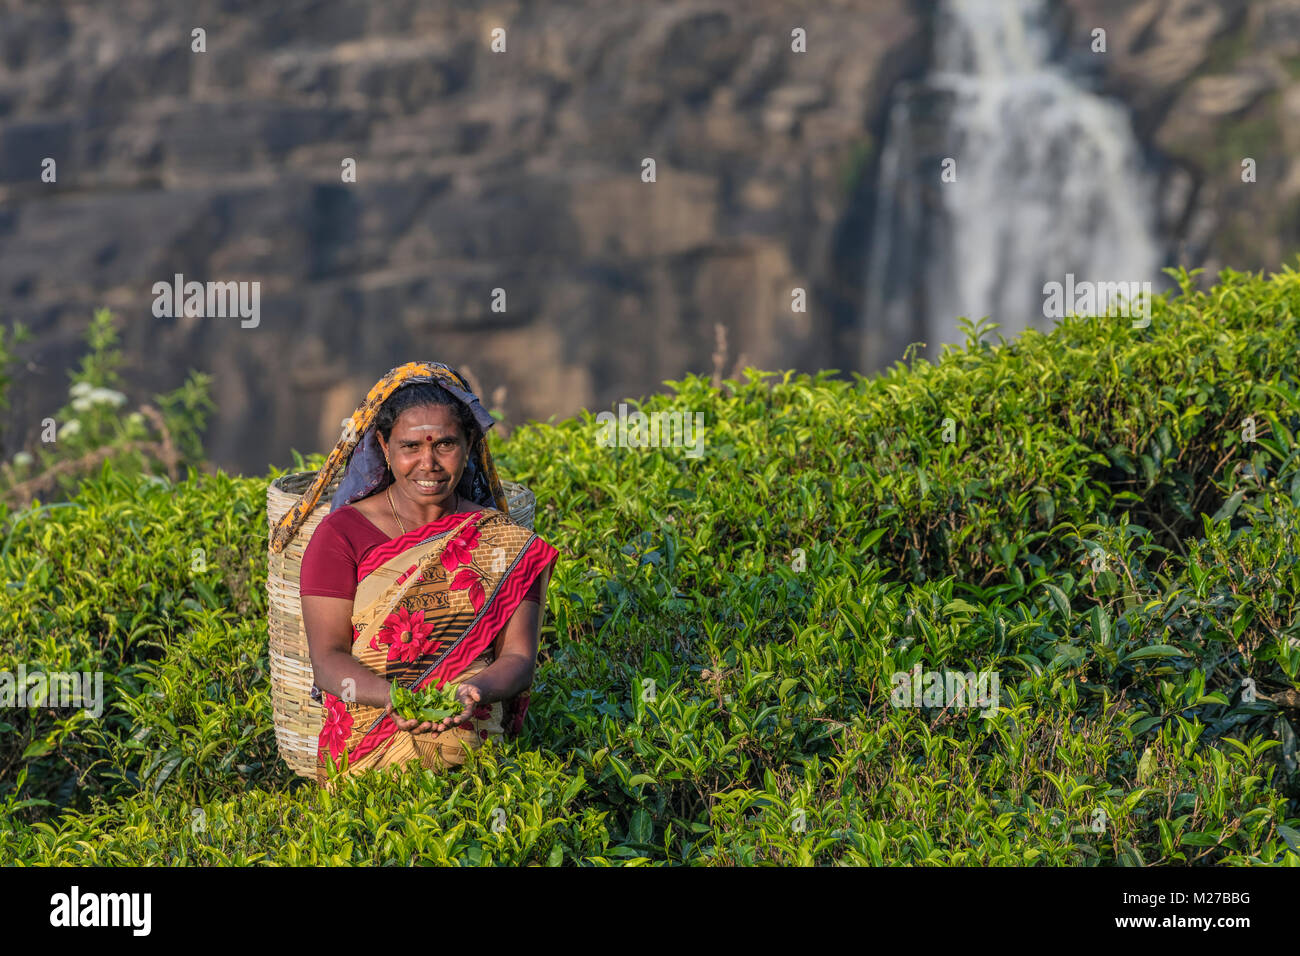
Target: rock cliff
521	170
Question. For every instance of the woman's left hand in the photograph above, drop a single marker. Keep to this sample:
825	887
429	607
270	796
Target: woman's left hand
469	697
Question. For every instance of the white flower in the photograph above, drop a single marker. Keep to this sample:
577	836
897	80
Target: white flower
23	459
135	418
79	388
83	404
70	429
107	396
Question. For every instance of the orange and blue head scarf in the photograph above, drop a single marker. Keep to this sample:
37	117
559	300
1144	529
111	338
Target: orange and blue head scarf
366	471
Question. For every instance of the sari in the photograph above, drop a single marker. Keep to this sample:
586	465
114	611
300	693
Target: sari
429	606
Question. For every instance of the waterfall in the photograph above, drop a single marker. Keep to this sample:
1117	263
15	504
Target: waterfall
1049	181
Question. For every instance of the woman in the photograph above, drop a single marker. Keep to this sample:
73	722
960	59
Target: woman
418	577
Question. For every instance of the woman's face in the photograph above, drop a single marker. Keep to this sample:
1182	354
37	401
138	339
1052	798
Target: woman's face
427	452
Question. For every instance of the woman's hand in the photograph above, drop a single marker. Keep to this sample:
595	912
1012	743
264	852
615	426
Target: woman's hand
409	726
469	696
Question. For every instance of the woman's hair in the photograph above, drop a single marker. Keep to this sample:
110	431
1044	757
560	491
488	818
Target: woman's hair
417	395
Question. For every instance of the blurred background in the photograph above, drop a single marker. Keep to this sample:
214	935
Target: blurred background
796	147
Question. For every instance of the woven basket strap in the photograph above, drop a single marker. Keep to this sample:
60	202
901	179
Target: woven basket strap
356	427
394	592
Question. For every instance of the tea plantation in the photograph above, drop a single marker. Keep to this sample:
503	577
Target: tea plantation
1105	517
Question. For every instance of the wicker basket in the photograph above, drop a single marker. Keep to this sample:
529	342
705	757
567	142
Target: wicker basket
296	716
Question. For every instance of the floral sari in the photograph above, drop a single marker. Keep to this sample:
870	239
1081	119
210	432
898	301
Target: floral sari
429	606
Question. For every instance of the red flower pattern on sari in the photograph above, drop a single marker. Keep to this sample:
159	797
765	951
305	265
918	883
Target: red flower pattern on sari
337	727
516	716
466	578
460	550
405	634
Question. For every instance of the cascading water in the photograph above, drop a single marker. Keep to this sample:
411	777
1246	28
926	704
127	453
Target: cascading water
1049	180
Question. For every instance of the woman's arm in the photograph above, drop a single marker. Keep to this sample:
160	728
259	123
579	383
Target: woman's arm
329	640
513	669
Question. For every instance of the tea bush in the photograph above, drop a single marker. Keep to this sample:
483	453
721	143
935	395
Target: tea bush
1097	524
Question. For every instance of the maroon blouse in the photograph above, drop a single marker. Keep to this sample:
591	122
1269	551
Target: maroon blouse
341	542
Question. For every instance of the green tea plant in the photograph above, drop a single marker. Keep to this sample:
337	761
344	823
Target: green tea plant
1105	518
431	703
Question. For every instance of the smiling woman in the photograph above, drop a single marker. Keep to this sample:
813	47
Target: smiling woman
415	579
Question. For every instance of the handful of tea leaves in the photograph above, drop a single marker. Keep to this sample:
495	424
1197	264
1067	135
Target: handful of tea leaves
429	704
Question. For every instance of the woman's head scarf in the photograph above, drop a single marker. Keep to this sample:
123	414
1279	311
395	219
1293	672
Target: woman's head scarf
366	470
